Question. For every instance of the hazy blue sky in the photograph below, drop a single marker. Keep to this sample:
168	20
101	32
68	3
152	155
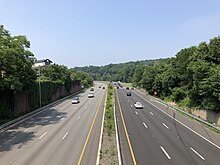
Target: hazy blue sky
99	32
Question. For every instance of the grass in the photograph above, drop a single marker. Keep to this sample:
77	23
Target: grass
108	153
109	111
113	150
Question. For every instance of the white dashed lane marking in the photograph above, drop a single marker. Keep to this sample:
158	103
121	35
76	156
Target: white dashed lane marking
43	135
197	153
65	135
165	152
145	125
166	126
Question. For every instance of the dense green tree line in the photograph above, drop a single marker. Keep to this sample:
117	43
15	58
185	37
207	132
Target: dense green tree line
61	74
191	78
115	72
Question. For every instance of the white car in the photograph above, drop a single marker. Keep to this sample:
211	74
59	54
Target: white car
138	105
75	100
90	95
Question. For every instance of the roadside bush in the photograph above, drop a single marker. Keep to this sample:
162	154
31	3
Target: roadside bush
178	94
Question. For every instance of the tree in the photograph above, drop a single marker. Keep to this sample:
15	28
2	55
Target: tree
214	50
85	78
147	80
16	62
56	73
73	74
137	76
211	89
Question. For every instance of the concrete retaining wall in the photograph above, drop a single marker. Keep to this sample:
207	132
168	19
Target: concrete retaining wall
208	115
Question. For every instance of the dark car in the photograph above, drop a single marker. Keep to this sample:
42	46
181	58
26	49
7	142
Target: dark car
127	87
128	93
92	89
103	87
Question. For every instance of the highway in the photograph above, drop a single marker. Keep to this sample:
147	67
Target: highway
62	134
149	136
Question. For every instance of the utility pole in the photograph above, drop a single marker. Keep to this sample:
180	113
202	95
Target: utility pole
39	74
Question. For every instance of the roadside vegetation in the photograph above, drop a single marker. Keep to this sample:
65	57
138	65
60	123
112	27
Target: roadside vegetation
190	79
108	153
17	77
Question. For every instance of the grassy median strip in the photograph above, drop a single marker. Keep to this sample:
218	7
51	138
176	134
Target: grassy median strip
108	153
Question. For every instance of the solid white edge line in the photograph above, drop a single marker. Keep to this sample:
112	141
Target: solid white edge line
165	125
43	135
100	140
197	153
165	152
145	125
181	123
65	135
117	140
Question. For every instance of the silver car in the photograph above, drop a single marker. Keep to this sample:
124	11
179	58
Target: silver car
138	105
90	95
75	100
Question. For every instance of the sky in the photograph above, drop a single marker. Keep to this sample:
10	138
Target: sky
99	32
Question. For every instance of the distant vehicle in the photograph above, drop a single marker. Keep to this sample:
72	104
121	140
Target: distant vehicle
75	100
103	87
127	87
128	93
132	88
138	105
99	86
92	89
90	95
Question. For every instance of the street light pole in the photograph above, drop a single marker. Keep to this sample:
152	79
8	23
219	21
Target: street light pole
39	74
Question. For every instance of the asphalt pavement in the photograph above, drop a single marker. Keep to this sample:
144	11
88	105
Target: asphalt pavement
63	134
154	137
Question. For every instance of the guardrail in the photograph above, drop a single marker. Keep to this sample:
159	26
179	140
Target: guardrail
186	113
18	120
